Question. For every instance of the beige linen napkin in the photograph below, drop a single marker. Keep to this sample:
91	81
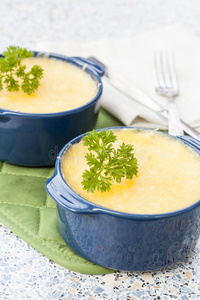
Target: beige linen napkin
132	58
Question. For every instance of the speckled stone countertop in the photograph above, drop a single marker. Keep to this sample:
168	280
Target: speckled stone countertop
25	273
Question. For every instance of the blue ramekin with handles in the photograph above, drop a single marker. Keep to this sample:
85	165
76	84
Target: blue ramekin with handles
118	240
34	140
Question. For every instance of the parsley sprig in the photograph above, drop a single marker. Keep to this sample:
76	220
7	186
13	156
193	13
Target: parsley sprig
11	70
106	163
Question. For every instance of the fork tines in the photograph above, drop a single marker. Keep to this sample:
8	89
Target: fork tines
165	74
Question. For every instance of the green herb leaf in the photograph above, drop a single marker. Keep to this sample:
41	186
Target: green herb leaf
106	163
11	70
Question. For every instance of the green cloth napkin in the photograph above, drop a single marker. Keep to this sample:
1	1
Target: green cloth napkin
27	210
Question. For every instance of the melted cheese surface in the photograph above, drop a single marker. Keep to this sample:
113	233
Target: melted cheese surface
63	87
168	175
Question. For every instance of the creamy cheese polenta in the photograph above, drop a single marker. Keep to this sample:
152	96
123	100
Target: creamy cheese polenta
63	87
168	177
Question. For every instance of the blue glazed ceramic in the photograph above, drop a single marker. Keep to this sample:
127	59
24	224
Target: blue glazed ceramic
118	240
35	139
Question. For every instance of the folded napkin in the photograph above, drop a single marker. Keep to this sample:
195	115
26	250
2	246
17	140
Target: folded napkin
132	58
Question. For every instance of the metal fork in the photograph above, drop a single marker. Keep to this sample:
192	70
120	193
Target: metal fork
166	84
137	95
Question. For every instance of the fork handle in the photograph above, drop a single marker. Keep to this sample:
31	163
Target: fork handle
174	123
176	126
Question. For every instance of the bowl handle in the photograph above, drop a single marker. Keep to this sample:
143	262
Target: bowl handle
91	64
64	198
4	116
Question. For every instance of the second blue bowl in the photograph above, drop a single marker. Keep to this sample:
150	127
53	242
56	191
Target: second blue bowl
34	140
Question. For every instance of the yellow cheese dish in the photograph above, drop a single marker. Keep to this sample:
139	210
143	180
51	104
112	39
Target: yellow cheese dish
63	87
168	174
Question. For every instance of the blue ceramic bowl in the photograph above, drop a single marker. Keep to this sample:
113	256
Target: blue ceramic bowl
34	140
119	240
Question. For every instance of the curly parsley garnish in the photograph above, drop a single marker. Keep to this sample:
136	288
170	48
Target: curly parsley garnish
11	70
107	164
